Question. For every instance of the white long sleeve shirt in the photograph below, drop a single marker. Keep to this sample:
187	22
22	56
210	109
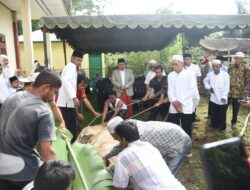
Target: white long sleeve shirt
220	83
182	87
5	90
69	86
197	73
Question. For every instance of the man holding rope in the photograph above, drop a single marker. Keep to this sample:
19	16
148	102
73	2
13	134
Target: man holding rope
157	84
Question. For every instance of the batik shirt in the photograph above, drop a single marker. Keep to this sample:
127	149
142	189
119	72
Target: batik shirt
238	80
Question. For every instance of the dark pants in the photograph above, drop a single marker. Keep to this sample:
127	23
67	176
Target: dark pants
162	109
70	118
209	107
218	116
184	120
10	185
236	107
122	113
176	162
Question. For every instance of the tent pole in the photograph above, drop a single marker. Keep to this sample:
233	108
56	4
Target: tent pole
45	48
183	42
64	52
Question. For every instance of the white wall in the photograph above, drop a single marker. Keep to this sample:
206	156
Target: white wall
7	29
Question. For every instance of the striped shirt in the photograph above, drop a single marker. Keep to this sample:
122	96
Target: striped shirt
142	165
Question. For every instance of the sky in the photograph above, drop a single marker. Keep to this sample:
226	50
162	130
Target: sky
121	7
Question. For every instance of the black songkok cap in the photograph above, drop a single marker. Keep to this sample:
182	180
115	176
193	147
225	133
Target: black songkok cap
77	53
12	79
122	60
187	55
220	57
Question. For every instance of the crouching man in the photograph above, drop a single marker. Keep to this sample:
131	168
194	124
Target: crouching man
170	139
140	165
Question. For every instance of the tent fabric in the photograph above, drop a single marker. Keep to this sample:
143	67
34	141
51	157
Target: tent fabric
226	44
119	33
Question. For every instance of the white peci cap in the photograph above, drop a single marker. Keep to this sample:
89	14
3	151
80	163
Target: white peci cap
216	62
239	54
152	62
177	58
113	123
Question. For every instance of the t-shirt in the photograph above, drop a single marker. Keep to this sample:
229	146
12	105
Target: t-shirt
25	121
156	84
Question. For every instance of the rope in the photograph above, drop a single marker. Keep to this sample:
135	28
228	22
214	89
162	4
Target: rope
112	111
142	112
242	133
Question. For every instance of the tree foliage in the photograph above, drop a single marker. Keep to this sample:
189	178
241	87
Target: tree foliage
34	25
87	7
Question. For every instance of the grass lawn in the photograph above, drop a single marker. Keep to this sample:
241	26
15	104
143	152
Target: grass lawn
191	174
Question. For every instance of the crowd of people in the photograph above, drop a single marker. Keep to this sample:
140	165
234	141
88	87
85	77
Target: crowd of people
150	153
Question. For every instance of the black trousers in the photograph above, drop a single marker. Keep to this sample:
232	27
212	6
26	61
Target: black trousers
10	185
236	107
162	109
218	116
209	107
185	120
70	118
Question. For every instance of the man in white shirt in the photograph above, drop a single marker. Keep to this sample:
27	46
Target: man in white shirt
8	87
140	164
182	86
217	82
197	72
67	100
123	80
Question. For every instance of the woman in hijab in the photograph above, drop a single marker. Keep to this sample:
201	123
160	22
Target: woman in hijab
4	61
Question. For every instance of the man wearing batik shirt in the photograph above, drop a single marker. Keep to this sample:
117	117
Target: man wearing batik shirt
172	142
140	165
239	74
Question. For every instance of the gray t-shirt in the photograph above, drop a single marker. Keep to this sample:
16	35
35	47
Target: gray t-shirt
25	121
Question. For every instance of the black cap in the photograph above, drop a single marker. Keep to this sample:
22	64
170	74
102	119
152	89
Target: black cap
12	79
187	55
121	60
77	53
220	57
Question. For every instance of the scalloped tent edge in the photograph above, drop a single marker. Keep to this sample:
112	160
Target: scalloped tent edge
125	33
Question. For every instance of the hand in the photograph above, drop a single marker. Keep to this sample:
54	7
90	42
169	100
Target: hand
96	114
63	133
62	125
177	106
211	90
104	124
123	87
80	117
76	102
157	104
144	98
224	100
